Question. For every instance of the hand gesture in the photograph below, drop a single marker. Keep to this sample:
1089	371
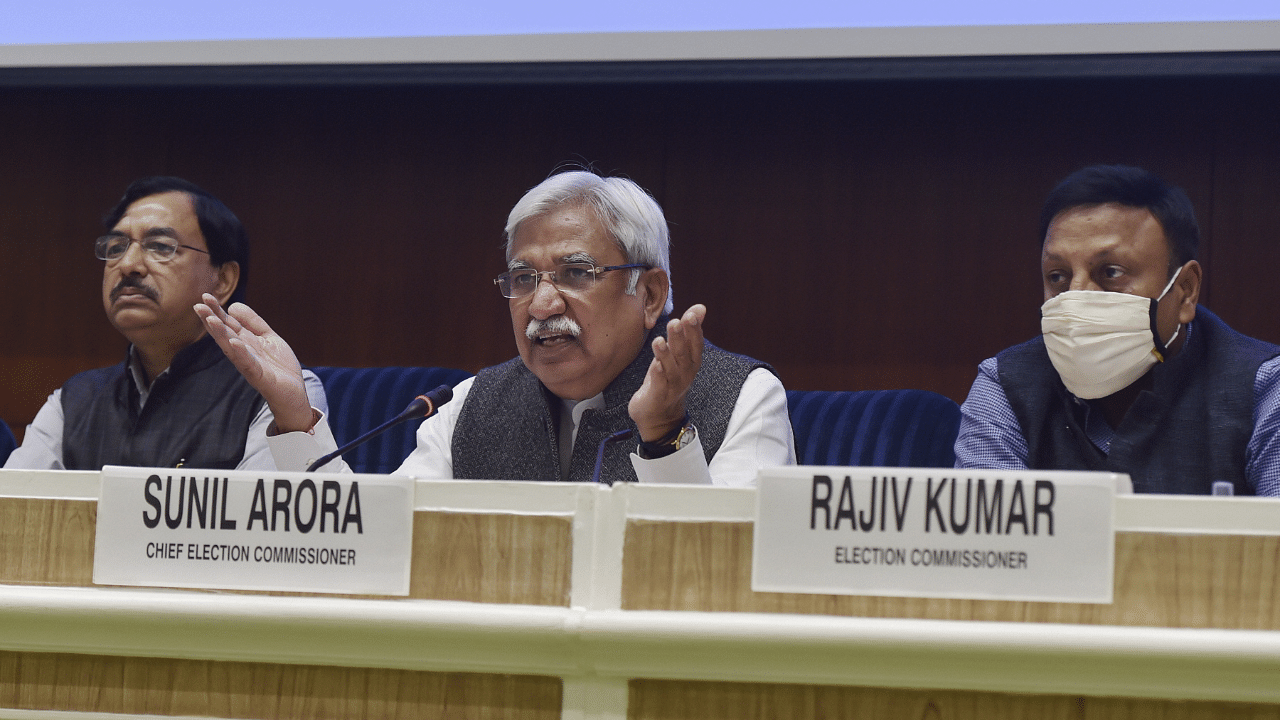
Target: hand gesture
263	358
658	406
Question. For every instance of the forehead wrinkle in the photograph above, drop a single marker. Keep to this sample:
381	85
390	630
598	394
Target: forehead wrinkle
160	232
1098	256
1095	246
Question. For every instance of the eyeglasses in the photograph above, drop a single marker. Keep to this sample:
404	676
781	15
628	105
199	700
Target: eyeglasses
574	276
113	247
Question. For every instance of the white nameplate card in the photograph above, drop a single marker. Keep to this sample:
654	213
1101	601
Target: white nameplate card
927	532
251	530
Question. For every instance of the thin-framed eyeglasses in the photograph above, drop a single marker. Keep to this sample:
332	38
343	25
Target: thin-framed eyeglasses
573	276
113	247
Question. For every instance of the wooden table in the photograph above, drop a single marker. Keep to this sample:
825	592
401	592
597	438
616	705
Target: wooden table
575	601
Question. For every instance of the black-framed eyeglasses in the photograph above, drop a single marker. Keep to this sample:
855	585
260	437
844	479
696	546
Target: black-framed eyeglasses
573	276
113	247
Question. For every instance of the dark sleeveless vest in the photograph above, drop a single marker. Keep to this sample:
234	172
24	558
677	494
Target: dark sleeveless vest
507	427
198	414
1190	429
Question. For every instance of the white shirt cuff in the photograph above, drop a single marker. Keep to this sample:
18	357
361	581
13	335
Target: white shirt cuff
686	466
295	451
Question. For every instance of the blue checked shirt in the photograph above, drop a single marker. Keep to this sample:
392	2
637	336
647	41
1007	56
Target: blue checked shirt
991	438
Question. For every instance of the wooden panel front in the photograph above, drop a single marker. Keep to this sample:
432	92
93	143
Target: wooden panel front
524	559
156	686
673	700
1162	580
47	542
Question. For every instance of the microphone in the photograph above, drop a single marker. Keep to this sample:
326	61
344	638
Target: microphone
620	435
423	406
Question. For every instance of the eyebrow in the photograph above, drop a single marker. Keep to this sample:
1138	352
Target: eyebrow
161	232
576	257
1104	255
150	233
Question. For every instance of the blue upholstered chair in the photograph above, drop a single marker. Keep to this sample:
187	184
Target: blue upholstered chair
7	442
889	428
360	399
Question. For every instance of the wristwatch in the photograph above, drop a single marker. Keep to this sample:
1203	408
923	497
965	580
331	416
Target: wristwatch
682	436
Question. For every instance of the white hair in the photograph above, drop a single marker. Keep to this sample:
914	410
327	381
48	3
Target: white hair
629	214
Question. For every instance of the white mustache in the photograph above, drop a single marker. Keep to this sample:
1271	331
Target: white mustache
554	325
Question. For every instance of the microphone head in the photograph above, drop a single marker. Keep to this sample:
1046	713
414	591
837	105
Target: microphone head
426	404
440	395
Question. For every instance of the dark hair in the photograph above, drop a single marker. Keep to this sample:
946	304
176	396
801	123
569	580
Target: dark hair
1132	187
223	233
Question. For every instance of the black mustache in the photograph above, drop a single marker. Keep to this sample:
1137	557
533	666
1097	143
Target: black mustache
132	282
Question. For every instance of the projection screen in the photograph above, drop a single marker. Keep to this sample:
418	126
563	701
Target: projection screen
86	33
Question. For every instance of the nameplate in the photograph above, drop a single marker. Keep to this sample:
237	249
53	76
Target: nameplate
248	530
924	532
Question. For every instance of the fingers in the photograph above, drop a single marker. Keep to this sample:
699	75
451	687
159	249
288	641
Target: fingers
676	361
237	318
691	335
660	350
249	320
659	405
209	306
225	330
214	324
216	320
696	312
262	357
681	351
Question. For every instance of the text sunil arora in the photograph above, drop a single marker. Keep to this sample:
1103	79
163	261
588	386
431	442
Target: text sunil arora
293	507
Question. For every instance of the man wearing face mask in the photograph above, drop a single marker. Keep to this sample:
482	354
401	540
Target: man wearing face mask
1129	375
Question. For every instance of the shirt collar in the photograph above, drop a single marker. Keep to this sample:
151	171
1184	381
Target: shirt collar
194	357
140	377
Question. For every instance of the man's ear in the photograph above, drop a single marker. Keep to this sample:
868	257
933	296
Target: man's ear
1189	283
653	287
228	279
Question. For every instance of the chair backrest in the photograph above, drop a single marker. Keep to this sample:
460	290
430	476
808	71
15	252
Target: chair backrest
889	428
7	442
361	399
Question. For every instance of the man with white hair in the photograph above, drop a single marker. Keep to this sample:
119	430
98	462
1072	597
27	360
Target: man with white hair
589	292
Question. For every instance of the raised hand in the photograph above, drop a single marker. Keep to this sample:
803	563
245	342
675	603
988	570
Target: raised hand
264	359
658	406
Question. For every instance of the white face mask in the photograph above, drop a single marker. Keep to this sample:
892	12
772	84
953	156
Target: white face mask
1101	342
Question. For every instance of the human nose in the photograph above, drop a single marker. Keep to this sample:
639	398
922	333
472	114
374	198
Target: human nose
547	299
1083	281
133	260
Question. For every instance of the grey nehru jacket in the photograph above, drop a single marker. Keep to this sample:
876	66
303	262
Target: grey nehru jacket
507	428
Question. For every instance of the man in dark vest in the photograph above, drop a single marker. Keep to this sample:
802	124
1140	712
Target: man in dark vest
175	400
1130	374
588	287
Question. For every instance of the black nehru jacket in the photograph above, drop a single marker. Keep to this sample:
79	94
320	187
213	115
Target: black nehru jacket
507	427
197	414
1189	430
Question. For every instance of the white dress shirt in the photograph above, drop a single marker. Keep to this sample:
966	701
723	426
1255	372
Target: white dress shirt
758	435
41	447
